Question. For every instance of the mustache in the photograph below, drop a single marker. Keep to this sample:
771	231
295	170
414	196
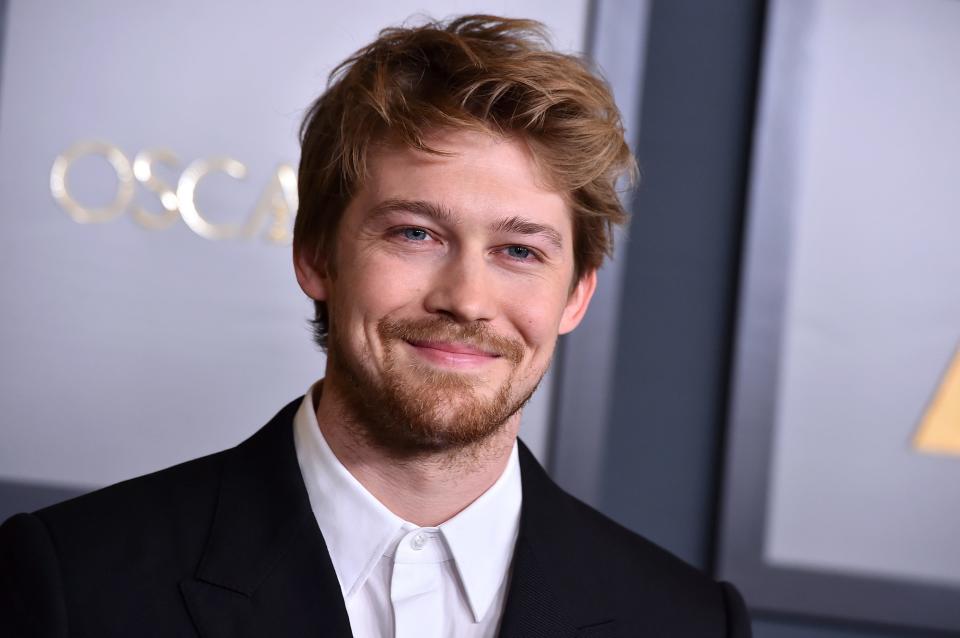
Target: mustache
476	334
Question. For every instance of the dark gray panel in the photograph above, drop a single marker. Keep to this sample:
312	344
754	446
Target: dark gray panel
674	334
768	629
793	628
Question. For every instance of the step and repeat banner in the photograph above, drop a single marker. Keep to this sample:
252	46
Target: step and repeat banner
148	157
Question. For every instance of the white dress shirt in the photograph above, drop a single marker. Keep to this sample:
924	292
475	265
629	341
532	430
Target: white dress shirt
403	581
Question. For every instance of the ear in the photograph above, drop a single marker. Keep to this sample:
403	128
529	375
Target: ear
578	301
313	278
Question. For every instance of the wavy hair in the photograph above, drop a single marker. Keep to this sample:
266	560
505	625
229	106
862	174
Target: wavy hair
477	72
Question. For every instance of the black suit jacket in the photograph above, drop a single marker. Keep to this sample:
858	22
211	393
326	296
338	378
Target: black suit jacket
227	545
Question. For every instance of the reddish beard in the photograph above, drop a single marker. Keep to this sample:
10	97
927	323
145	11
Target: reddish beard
417	408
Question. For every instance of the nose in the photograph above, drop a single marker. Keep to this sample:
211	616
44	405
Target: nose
462	290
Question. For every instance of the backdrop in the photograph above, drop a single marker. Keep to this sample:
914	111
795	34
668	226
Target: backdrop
134	338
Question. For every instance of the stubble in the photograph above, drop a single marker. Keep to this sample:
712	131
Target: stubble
414	408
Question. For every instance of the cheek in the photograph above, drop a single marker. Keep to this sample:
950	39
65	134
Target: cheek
379	287
537	317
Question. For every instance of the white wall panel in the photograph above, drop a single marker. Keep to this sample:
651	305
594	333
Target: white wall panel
872	294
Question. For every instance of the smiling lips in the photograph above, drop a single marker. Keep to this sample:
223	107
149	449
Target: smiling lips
452	354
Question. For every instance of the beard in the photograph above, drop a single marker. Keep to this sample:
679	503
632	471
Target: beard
414	408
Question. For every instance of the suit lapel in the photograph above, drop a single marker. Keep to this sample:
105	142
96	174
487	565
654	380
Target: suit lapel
534	607
531	609
265	569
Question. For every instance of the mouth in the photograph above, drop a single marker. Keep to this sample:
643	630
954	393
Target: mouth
452	354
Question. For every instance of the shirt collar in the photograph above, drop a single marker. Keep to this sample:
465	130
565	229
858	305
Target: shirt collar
482	537
359	529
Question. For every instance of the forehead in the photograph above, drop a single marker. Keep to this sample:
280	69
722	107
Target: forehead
478	175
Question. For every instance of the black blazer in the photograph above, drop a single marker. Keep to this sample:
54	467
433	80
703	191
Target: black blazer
227	545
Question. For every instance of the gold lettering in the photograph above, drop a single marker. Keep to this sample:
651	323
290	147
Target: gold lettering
186	190
279	201
61	193
143	171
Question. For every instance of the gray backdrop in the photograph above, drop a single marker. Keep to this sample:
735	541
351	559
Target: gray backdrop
127	349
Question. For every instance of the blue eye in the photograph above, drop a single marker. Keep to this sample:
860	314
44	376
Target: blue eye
415	234
519	252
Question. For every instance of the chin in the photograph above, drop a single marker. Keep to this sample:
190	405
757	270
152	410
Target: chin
429	415
408	406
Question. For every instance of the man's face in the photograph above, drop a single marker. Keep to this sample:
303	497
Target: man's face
452	280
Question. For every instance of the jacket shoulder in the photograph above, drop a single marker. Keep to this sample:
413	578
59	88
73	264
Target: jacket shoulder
181	495
601	569
628	555
173	496
96	558
652	591
113	561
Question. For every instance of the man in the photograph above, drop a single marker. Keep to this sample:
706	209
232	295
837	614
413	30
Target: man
457	188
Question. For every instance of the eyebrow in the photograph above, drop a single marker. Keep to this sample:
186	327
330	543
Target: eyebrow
417	207
522	226
515	224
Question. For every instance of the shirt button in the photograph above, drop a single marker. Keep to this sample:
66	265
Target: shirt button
418	541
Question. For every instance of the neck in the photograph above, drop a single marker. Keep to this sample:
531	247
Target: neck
424	488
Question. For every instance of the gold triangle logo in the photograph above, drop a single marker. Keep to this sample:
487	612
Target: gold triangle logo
939	432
